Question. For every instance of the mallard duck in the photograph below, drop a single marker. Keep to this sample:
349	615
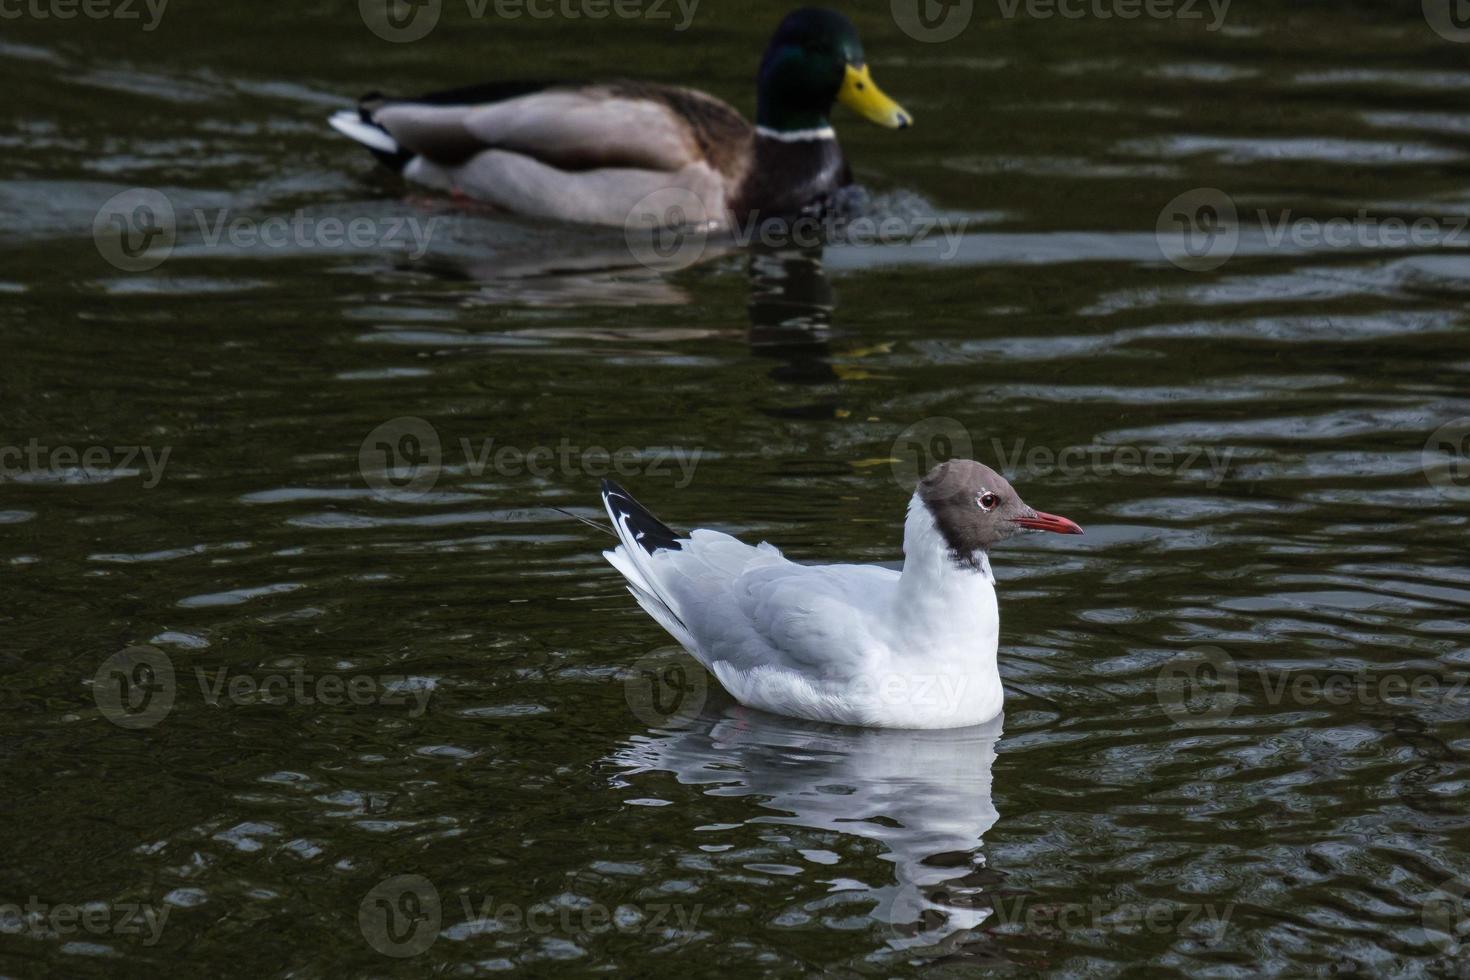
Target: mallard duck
595	152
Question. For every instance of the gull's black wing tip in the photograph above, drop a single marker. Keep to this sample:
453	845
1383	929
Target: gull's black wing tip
650	533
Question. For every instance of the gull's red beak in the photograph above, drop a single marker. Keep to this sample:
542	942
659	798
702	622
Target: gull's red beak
1049	522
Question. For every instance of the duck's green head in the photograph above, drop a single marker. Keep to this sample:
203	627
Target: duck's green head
814	60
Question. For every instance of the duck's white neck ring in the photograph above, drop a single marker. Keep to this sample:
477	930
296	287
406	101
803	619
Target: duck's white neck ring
797	135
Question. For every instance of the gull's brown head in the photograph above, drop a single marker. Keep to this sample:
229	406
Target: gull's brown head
974	507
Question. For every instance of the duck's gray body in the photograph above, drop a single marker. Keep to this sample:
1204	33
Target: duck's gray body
599	153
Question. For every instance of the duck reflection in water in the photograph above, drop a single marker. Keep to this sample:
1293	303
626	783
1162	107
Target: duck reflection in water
791	306
791	301
923	796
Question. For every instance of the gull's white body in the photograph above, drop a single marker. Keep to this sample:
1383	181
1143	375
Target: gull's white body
848	644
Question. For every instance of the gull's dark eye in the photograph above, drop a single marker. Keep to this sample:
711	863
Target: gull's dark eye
987	501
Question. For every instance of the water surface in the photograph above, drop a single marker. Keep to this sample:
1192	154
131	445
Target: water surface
523	756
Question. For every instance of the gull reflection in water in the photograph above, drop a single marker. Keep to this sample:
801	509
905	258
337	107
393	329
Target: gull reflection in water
924	796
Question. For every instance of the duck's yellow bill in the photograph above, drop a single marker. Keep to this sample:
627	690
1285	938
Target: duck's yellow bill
862	96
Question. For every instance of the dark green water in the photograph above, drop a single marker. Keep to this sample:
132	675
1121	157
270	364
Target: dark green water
1297	809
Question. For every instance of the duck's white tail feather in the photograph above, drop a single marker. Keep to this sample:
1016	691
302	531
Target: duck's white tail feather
349	123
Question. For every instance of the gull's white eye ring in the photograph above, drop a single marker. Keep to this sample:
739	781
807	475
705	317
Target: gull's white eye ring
987	501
